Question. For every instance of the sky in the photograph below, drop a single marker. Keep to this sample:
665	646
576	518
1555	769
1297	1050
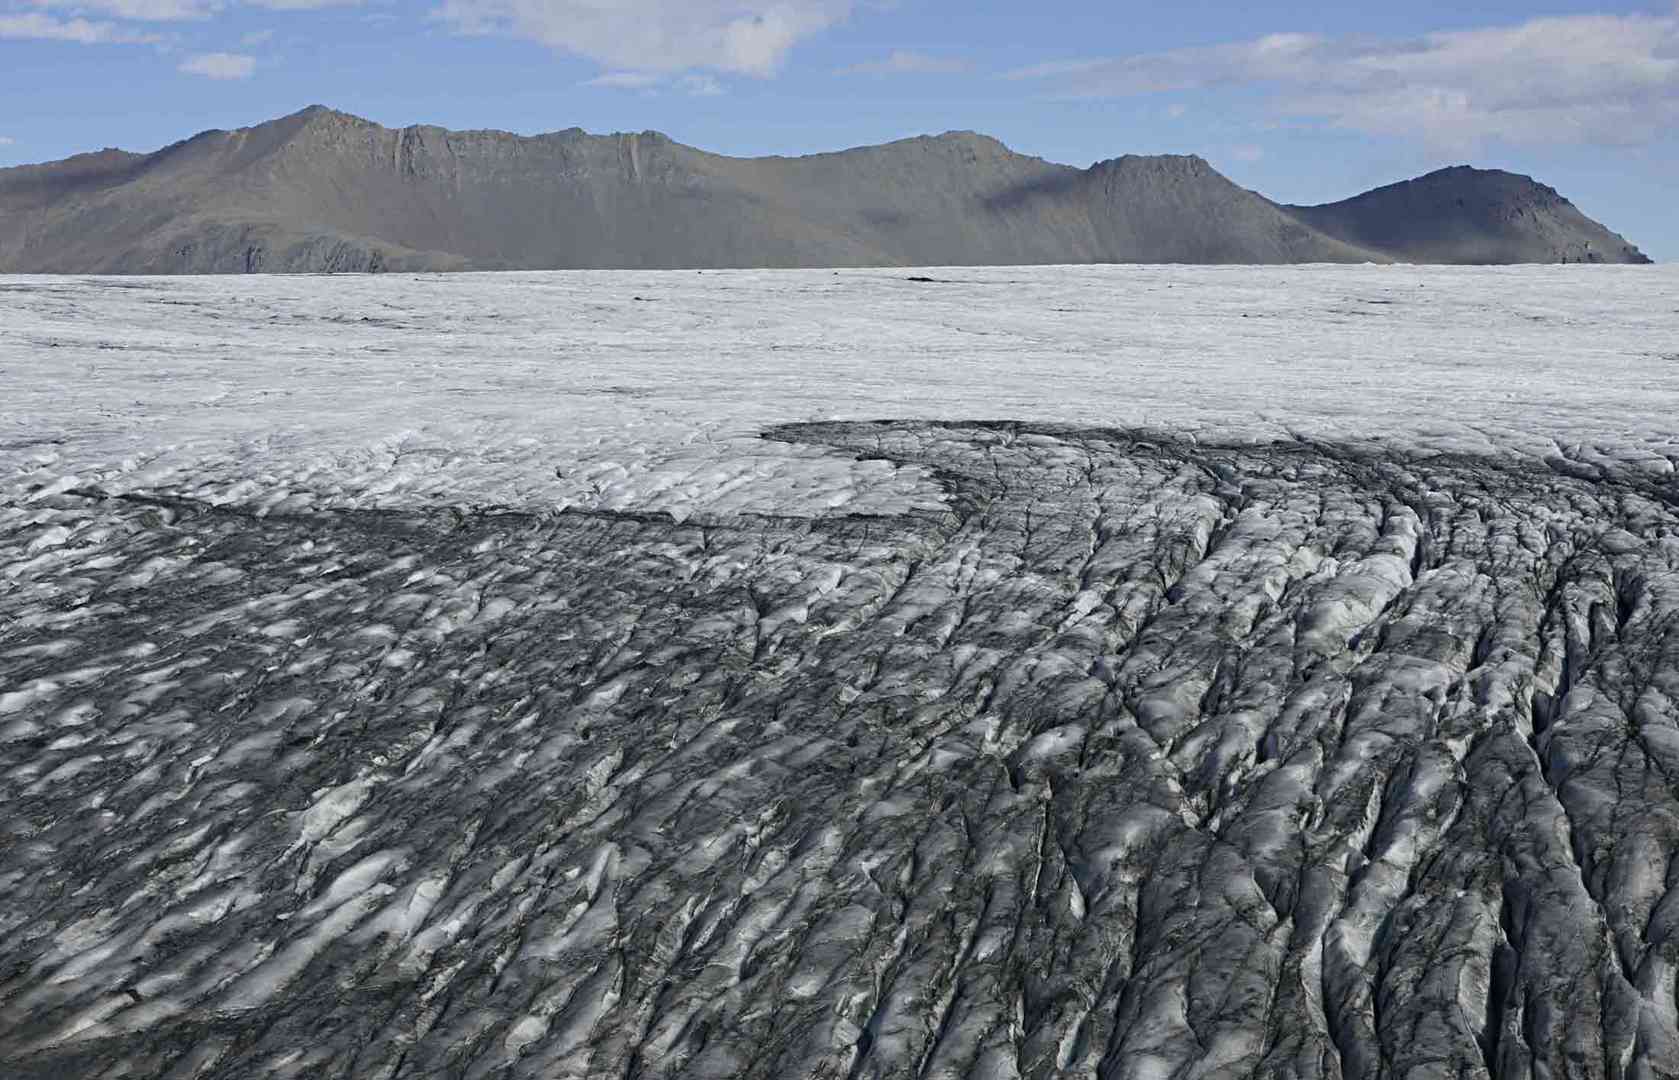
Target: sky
1305	103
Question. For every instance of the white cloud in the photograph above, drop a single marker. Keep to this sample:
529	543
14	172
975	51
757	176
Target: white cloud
37	26
748	37
6	140
1586	78
256	37
219	66
901	62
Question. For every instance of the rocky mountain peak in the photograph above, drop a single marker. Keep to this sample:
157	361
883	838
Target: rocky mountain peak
321	188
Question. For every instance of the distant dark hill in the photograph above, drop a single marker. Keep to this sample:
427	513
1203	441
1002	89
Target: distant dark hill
1464	215
322	190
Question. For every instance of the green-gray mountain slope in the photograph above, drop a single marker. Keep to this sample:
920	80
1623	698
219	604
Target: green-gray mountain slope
321	191
1464	215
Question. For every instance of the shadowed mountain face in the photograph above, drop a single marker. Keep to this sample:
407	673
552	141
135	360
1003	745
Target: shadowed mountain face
1465	215
321	190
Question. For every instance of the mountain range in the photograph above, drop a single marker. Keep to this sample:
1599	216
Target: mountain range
321	190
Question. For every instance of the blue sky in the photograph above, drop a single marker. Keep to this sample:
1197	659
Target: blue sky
1304	103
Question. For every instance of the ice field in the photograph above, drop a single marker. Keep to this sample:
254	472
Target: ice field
1111	672
376	390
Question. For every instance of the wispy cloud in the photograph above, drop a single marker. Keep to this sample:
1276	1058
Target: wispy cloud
6	140
1576	79
163	11
302	5
902	62
680	44
220	66
138	10
700	86
626	80
746	37
39	26
694	84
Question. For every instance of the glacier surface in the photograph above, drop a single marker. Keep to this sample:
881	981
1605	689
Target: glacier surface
1125	672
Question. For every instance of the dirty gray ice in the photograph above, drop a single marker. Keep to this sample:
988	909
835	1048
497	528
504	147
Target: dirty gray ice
1102	672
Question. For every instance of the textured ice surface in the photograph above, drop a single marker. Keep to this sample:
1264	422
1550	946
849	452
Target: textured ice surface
470	691
388	391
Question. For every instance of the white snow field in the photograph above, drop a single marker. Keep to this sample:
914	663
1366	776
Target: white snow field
477	387
1125	672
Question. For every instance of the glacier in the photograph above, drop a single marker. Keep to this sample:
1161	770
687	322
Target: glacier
1106	671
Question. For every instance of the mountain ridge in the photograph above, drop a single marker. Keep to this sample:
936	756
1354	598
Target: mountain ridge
324	190
1465	206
